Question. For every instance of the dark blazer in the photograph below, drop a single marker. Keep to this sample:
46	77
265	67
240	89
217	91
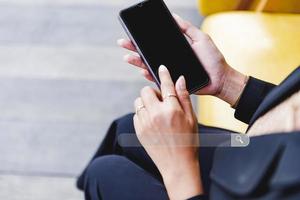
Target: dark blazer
269	168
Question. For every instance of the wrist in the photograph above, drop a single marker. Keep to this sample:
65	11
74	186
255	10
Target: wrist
183	182
233	86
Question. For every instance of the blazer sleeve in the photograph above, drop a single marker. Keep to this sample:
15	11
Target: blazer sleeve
253	95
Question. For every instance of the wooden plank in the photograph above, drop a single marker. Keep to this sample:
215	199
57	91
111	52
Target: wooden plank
54	126
38	188
173	3
58	25
67	25
56	149
71	63
65	100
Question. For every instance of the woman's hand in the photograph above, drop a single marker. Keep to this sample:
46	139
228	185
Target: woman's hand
166	126
225	82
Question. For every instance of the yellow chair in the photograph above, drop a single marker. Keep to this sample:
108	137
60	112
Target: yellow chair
208	7
265	45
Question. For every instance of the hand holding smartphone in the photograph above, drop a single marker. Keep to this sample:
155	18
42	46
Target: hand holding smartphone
159	41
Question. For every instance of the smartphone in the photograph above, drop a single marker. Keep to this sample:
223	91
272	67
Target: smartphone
159	41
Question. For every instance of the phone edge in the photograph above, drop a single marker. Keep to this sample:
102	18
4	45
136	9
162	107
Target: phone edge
207	80
191	90
139	51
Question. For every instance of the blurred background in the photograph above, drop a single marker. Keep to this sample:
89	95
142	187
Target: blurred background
62	81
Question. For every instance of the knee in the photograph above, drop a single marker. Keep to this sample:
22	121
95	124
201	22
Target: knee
102	168
105	163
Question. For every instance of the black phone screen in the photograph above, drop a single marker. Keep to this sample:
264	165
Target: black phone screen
161	42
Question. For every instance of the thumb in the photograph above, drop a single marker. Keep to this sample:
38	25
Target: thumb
184	96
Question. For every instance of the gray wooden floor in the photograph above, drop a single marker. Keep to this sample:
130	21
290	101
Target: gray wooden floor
62	81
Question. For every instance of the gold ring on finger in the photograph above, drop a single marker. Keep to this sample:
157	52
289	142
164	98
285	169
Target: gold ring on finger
139	108
169	96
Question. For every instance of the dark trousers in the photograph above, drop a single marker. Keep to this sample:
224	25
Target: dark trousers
117	172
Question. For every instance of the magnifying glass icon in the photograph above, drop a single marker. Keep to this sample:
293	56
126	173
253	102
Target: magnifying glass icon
239	139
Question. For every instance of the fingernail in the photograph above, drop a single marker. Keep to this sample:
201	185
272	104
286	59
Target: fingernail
143	72
162	68
120	42
126	58
182	83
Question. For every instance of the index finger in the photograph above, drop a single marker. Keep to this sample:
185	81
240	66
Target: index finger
167	86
